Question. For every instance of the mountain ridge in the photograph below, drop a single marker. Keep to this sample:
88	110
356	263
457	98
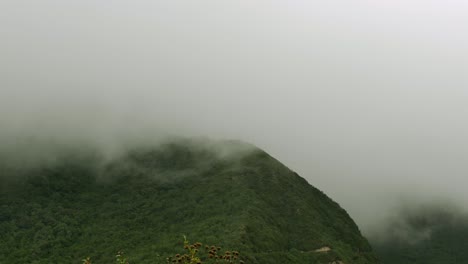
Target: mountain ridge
143	201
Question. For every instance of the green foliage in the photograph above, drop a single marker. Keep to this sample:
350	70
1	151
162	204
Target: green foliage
193	256
143	201
120	258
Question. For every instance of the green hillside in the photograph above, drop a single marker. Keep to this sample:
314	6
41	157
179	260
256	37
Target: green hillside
429	235
224	193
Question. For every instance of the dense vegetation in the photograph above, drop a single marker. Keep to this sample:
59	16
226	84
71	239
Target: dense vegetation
227	194
431	235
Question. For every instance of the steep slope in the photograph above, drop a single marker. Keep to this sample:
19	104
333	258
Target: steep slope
228	194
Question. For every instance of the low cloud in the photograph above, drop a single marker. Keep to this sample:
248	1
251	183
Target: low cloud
415	223
365	100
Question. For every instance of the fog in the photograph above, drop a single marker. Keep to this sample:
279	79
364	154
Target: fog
416	223
364	99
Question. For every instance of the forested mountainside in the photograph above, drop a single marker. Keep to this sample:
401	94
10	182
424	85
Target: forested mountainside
142	202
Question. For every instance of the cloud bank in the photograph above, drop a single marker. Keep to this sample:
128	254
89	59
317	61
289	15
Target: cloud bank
365	99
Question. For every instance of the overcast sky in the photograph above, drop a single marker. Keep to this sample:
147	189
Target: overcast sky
368	100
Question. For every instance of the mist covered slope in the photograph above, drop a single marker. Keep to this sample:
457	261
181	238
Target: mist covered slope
431	234
225	193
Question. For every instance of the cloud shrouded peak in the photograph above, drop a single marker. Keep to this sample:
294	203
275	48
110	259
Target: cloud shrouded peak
364	99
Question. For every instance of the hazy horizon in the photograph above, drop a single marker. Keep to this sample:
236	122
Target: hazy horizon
364	99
